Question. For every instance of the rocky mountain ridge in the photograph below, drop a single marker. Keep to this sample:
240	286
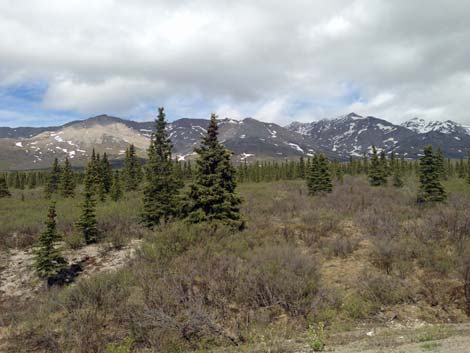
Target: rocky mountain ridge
249	139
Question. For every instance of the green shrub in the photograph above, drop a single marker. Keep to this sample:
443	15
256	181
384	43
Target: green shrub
316	337
124	347
357	308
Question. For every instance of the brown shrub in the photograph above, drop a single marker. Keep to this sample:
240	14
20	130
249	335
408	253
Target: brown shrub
280	275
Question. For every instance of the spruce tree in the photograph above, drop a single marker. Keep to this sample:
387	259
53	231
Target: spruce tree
365	164
319	179
468	167
161	201
462	168
4	192
93	168
87	223
301	168
53	180
340	173
48	260
32	180
212	197
67	180
397	179
377	175
430	187
98	178
116	187
106	174
386	168
440	164
132	170
17	181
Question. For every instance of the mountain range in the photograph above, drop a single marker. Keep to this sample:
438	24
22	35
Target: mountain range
249	139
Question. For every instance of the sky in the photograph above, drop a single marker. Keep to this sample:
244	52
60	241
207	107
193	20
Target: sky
277	61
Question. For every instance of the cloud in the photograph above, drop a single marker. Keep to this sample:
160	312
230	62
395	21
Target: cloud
275	60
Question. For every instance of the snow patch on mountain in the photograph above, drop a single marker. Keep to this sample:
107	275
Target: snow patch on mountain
295	146
244	156
423	126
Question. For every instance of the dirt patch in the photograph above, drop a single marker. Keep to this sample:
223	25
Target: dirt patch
19	282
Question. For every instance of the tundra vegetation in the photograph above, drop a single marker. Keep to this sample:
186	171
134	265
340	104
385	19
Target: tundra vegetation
237	258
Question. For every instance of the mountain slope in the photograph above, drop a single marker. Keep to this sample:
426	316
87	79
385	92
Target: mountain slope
422	126
353	134
248	139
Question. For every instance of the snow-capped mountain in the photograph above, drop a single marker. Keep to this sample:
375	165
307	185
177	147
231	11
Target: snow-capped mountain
353	134
422	126
452	137
248	138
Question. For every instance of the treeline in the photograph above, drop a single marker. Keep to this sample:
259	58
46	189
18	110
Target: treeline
131	175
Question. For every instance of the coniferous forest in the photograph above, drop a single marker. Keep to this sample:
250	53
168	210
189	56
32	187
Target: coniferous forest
206	255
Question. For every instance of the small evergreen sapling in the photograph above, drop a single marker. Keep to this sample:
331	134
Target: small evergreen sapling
48	260
87	223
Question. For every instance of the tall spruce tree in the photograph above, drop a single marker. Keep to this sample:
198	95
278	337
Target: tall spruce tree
4	192
430	187
87	224
53	180
116	187
132	170
67	180
319	179
161	191
212	197
48	260
106	173
377	174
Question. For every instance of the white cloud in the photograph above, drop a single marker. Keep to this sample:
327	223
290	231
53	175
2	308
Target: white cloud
252	58
273	111
115	93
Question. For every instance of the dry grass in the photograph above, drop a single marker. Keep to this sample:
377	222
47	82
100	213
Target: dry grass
357	255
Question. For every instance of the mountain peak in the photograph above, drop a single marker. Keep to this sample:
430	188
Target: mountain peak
353	115
422	126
